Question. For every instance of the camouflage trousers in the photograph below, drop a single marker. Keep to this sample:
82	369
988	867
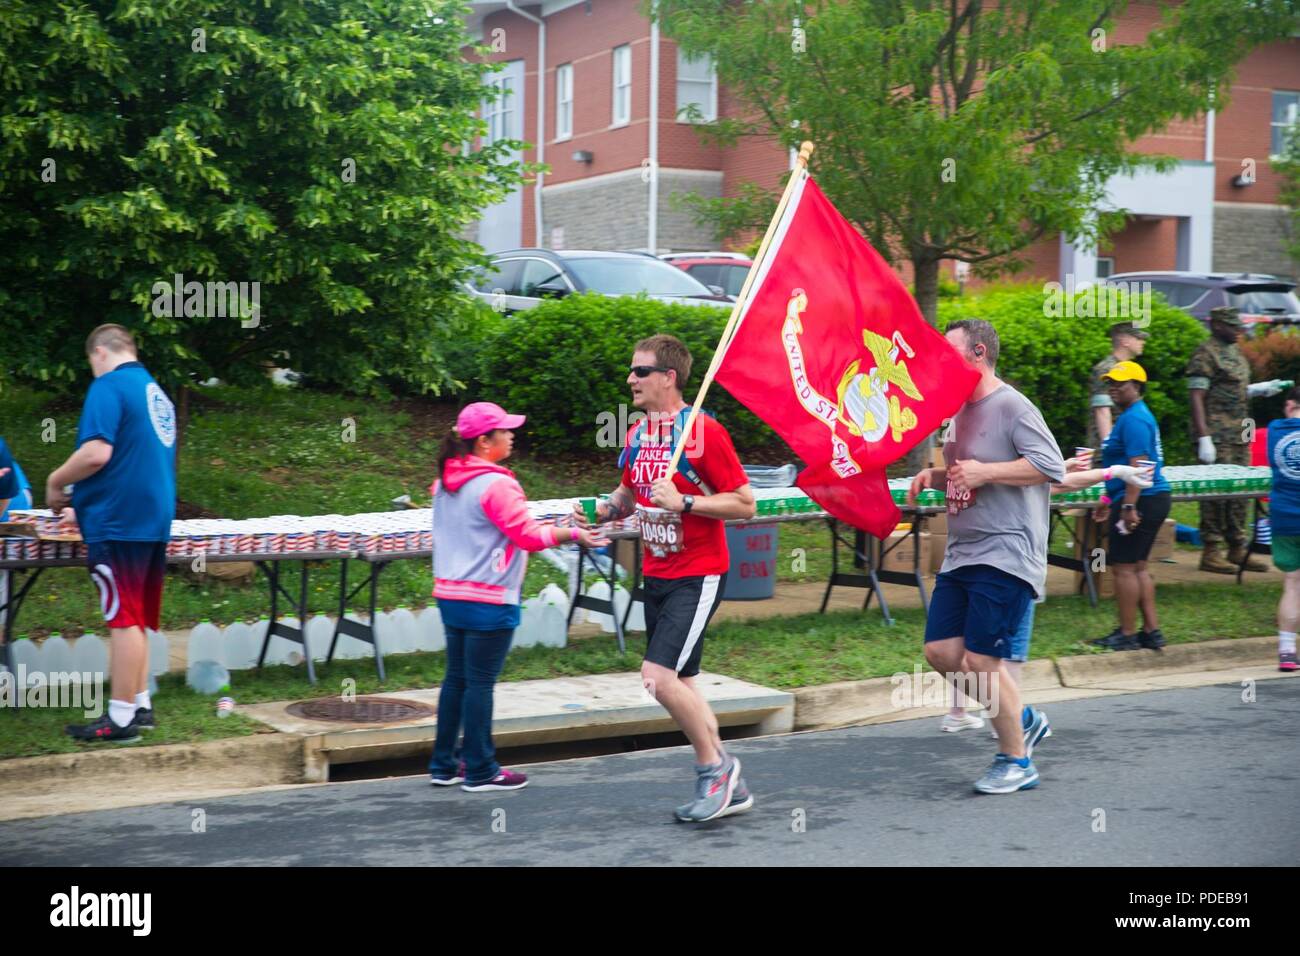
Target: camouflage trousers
1226	520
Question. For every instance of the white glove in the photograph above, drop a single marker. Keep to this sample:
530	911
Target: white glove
1205	450
1130	474
1265	389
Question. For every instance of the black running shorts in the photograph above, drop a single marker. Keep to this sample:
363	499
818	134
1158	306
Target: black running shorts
1136	546
676	612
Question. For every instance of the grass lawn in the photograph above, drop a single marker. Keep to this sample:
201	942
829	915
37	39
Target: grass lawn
786	652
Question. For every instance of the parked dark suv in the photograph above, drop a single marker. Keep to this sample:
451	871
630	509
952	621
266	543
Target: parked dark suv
1264	300
521	278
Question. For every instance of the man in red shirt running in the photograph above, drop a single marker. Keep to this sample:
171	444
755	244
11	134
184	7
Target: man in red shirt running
686	560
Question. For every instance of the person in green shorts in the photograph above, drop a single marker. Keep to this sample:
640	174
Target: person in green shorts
1284	518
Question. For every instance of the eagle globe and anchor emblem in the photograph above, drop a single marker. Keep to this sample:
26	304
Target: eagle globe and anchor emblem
866	404
867	400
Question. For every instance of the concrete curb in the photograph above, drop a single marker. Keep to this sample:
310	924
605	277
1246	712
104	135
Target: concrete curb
874	701
237	762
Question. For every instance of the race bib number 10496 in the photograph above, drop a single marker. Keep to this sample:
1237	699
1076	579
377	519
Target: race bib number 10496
661	530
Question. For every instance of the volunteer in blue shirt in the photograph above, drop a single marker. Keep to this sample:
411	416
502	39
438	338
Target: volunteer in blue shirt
1133	514
124	498
1284	518
15	489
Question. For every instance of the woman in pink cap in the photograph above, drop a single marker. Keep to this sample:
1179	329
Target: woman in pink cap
482	533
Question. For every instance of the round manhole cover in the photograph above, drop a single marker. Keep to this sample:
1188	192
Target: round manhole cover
363	710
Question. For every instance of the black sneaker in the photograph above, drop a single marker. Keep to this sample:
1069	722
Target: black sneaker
1116	640
1151	640
144	718
105	729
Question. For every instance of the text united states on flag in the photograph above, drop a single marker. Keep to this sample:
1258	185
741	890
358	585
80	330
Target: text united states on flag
833	353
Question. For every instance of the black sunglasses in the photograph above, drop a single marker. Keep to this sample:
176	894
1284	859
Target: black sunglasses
641	371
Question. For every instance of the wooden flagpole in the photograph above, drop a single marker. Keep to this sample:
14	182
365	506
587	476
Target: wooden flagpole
801	164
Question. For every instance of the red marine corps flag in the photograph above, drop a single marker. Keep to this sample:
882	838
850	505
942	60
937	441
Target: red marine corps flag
828	347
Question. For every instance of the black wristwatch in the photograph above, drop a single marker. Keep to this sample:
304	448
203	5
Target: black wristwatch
688	502
1126	506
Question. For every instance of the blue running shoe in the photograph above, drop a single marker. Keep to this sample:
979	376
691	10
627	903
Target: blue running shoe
1038	730
1007	776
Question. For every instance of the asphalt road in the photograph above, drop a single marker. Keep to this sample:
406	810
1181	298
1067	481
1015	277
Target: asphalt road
1183	777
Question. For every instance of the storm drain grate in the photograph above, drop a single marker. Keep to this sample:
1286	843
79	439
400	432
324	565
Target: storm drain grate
363	710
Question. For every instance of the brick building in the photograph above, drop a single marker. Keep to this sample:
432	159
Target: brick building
608	118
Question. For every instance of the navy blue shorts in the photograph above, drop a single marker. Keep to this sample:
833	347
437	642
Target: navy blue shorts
980	603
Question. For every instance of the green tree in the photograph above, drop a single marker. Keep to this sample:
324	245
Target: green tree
963	129
1287	166
315	147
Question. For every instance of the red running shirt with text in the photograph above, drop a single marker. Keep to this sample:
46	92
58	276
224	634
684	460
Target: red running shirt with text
714	459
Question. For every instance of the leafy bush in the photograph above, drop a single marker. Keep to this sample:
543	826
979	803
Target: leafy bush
1050	359
564	365
463	339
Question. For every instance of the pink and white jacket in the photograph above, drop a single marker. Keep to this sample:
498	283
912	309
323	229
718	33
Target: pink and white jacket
482	533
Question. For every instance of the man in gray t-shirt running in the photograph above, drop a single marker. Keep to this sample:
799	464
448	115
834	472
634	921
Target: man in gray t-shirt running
1001	460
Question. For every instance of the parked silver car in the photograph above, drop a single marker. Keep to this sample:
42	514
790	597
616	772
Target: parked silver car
521	278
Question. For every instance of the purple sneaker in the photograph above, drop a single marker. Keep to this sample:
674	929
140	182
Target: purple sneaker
457	777
504	780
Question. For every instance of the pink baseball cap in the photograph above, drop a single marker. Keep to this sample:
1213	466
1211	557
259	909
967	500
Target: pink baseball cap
481	417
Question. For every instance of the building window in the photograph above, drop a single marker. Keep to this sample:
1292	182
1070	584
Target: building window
697	85
622	85
1285	105
499	111
1105	266
564	101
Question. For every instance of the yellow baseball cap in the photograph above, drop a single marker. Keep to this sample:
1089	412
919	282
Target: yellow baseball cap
1127	372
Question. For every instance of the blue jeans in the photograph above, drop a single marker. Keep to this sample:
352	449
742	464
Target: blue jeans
474	661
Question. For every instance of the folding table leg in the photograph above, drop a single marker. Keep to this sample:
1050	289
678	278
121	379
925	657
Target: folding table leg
613	604
375	568
835	563
272	571
343	608
302	623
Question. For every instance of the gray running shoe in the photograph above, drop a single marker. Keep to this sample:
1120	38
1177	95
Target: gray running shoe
1039	729
741	799
714	788
1007	776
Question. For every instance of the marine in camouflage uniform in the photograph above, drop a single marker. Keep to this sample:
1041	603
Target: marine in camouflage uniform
1099	397
1221	370
1126	346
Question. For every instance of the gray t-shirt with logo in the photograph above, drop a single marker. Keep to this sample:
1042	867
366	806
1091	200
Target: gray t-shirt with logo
1002	525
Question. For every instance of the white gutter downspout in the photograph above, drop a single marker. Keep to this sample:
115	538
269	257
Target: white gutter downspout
541	117
652	238
1209	136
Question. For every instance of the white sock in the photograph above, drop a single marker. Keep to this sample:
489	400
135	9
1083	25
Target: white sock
1286	642
121	712
142	700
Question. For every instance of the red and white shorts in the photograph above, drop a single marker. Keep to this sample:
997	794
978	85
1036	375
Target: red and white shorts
129	576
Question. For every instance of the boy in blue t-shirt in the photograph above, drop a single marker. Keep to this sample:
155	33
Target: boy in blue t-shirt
15	490
124	498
